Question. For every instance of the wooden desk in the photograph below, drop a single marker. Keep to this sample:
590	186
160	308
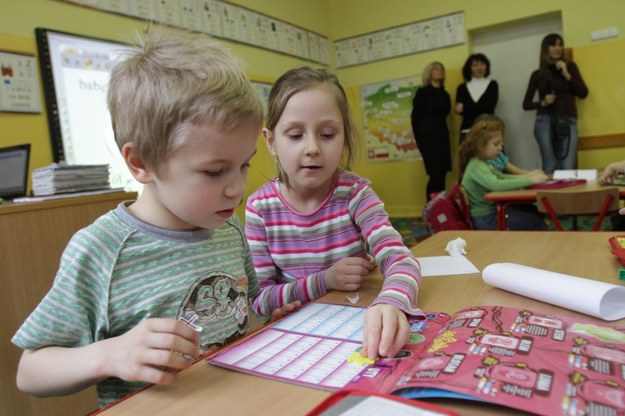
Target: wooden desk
528	196
33	237
204	389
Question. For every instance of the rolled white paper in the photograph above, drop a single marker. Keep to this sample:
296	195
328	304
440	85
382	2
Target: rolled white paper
599	299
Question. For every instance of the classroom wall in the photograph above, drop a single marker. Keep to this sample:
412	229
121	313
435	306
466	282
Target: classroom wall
400	184
600	62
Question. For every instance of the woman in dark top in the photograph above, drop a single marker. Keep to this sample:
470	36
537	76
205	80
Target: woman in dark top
430	107
478	94
558	82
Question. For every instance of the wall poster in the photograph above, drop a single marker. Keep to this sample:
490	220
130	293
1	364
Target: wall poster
386	108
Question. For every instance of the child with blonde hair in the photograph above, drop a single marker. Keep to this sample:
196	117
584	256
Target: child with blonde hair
153	284
484	142
318	227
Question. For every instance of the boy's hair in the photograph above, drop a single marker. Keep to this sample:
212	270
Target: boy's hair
483	129
170	80
476	57
549	40
426	76
300	79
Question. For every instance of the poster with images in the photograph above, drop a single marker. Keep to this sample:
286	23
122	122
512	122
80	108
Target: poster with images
386	108
263	89
19	87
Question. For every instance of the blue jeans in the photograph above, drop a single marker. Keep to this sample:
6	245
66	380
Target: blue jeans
543	133
518	217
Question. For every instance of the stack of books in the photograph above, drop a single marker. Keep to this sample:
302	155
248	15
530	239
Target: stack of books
60	179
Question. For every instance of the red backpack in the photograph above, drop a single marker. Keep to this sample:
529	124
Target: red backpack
448	211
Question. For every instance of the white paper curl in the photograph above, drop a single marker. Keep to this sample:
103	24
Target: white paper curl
599	299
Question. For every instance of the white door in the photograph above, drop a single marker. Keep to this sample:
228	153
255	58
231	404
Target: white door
513	51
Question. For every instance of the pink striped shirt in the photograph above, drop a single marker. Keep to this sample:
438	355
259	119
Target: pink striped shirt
291	251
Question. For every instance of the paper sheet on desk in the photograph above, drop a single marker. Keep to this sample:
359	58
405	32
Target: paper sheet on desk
446	265
599	299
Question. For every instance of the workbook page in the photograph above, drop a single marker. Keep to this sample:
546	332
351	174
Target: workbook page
318	346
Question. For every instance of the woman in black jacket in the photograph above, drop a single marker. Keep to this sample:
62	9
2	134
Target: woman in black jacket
430	107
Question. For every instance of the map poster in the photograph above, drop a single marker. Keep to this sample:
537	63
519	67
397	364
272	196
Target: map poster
386	108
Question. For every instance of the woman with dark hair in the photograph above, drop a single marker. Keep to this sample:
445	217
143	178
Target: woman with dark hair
478	94
558	81
430	107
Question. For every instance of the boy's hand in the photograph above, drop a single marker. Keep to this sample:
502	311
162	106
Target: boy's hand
348	273
386	331
285	310
152	352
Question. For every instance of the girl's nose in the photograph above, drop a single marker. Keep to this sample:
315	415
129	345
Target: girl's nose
312	146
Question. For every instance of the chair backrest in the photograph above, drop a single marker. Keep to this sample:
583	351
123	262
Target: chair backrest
464	205
578	202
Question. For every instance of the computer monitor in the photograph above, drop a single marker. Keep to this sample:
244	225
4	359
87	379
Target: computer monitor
14	170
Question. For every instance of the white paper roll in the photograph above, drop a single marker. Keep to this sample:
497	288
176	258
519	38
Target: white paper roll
599	299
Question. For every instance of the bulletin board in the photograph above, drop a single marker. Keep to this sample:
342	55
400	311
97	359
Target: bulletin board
19	83
421	36
386	108
223	20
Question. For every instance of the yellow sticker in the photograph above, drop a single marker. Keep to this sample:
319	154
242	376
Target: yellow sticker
356	358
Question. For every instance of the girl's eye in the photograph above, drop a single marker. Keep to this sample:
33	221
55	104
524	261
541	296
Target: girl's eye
214	173
327	135
295	136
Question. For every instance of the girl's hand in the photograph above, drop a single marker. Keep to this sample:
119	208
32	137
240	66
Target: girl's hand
348	273
285	310
561	66
152	352
386	331
539	177
459	108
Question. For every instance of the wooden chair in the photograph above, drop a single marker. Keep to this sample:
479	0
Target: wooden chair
598	201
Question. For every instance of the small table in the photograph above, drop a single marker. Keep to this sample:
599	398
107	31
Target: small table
503	199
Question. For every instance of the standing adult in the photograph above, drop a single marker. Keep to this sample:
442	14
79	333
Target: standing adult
558	82
478	94
430	107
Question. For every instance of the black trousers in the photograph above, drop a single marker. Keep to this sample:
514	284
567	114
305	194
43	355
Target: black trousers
436	183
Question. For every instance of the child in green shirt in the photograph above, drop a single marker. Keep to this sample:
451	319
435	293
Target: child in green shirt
484	142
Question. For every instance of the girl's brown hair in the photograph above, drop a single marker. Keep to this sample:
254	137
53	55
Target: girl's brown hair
483	129
303	78
549	40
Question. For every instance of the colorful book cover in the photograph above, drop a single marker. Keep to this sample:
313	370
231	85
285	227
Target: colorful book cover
544	364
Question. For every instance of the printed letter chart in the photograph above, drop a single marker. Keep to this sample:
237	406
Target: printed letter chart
309	347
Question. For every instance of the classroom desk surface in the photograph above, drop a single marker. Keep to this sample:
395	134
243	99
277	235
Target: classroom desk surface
204	389
528	195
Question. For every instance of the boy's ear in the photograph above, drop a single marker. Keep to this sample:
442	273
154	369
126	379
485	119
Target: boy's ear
137	168
269	141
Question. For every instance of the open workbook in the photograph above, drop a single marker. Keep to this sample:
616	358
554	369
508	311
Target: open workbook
548	365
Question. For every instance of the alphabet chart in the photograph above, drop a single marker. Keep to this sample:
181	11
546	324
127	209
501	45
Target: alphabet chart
19	84
309	347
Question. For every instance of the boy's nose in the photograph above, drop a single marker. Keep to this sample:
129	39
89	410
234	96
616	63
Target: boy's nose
236	187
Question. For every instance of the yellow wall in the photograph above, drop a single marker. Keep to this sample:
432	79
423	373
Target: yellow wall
401	184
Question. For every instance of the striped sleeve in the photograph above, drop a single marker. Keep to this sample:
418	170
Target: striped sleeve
276	288
70	313
399	267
